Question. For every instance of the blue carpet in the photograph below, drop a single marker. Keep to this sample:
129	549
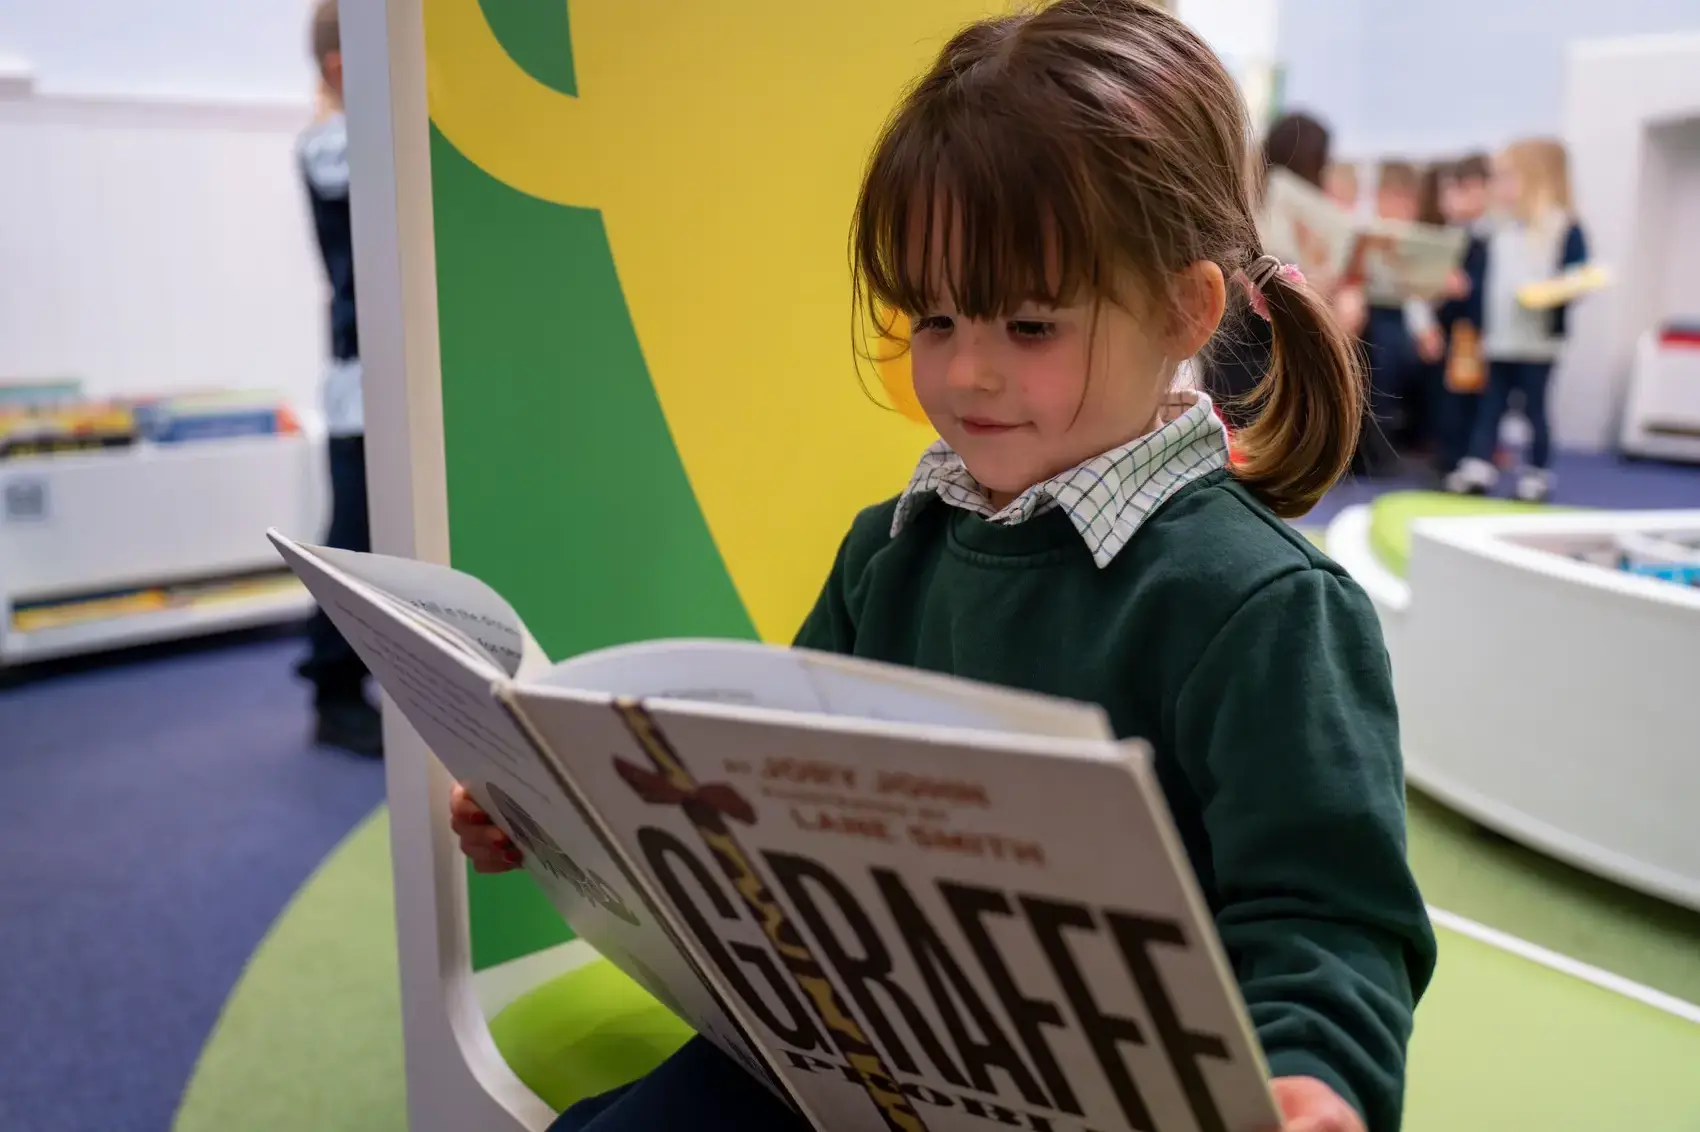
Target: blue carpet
156	816
1583	479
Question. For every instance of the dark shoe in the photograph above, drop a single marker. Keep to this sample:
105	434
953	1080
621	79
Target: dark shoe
351	725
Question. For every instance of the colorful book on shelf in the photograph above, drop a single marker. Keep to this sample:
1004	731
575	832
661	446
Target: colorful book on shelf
71	428
214	415
60	612
839	872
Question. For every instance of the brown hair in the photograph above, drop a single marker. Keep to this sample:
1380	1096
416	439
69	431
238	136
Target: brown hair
1544	168
1067	146
1400	176
1428	197
1474	167
1299	144
326	30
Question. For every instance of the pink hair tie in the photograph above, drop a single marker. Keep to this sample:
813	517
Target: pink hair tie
1258	275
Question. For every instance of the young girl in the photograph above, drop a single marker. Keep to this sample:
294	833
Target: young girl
1061	208
1535	238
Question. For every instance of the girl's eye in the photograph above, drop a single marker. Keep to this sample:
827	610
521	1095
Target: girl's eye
1032	330
939	322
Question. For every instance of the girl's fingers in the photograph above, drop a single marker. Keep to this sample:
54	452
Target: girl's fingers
464	809
495	862
490	845
485	838
485	845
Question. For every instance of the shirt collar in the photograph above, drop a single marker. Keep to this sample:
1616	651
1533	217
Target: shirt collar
1108	497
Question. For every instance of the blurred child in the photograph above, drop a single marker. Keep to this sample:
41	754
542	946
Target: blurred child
1391	332
1464	193
1398	191
345	718
1421	397
1340	182
1534	236
1463	204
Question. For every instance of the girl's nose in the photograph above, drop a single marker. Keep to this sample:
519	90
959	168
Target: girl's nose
970	368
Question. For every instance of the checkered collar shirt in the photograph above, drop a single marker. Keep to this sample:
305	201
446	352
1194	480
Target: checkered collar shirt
1108	497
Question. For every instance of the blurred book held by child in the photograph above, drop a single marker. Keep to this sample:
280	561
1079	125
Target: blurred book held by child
867	885
1394	260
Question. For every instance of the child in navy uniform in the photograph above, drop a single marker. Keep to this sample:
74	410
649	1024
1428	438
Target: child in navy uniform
1062	208
344	717
1534	237
1393	330
1463	204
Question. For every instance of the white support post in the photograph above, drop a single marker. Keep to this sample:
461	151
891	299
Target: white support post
456	1080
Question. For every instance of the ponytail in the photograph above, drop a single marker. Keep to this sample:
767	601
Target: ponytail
1309	405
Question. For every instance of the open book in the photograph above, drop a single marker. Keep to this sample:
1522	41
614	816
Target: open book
904	902
1393	260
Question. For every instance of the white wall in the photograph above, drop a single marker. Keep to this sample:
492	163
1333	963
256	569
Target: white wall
1244	34
219	49
1236	29
152	247
1431	77
1679	287
1632	122
153	226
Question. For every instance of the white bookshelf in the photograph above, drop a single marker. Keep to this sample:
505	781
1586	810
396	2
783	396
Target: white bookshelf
76	526
1661	411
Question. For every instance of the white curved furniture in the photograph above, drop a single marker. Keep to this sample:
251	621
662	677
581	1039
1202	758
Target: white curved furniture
1550	699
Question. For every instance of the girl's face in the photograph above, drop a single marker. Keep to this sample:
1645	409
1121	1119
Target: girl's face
1341	185
1463	199
1025	397
1040	389
1507	185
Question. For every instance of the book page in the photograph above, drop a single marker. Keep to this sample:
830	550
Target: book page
932	929
1402	260
446	695
462	604
751	674
1299	224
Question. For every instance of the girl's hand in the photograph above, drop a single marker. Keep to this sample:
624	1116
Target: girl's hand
489	849
1431	345
1457	284
1307	1105
1350	310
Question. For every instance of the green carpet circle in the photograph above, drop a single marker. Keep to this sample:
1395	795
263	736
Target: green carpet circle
310	1037
1391	515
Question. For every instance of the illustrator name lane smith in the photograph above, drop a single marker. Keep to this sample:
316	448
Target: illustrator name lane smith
900	973
845	801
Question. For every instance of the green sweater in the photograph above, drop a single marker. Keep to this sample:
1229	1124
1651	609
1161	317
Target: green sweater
1255	667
